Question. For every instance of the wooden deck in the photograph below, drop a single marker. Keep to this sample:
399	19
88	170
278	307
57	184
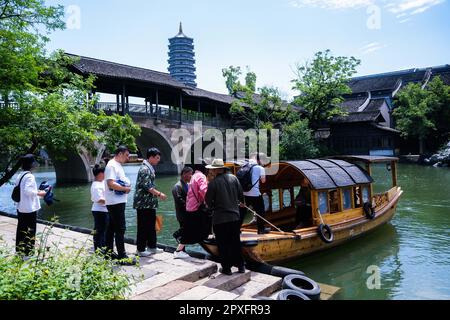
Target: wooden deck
161	277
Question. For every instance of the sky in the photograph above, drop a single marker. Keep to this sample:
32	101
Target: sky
271	37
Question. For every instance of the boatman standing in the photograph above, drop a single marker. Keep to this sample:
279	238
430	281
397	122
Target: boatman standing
224	197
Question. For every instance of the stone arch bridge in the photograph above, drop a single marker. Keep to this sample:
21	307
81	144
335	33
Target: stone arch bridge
168	105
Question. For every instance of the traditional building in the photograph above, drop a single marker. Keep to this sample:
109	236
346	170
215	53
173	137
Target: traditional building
369	128
182	58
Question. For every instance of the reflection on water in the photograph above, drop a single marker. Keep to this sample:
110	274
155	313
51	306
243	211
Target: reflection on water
411	252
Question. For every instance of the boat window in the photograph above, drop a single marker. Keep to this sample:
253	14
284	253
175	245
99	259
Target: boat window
347	199
357	196
323	202
334	201
275	200
286	198
266	202
365	194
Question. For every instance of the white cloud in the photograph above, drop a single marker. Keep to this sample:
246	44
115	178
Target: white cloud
400	8
372	47
331	4
411	7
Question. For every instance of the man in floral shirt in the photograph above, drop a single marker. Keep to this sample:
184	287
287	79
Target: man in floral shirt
146	202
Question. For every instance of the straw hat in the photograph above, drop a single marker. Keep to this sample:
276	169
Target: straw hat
216	164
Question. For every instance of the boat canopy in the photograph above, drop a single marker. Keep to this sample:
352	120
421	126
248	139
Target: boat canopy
322	174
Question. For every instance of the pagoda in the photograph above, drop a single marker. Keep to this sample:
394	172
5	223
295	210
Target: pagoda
182	58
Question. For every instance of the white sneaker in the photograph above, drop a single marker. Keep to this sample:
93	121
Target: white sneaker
143	254
180	255
155	250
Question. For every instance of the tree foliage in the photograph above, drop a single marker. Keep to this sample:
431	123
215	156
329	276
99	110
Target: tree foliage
45	105
258	109
24	25
297	141
321	85
424	113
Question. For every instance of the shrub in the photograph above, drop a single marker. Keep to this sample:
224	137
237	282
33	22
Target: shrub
296	141
53	273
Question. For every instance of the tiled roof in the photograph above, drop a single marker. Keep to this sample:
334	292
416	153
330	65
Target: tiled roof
365	116
200	93
351	105
389	81
87	65
109	69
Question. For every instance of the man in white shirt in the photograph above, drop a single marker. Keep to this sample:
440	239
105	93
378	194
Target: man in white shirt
27	207
117	187
253	198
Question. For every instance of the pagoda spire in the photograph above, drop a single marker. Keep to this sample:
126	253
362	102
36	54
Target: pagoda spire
181	28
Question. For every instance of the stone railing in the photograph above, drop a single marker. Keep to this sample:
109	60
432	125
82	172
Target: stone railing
164	113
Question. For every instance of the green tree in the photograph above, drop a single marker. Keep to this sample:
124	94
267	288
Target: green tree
262	110
44	104
321	85
24	26
297	142
440	111
231	75
423	113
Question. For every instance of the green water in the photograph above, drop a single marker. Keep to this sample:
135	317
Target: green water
412	252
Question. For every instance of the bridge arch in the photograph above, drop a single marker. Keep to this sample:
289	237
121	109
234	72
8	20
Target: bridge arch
76	168
153	137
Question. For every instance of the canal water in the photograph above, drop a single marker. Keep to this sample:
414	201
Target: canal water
411	254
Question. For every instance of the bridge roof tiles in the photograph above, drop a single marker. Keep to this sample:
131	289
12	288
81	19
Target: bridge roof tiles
98	67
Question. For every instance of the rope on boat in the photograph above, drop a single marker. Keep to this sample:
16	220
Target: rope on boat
278	229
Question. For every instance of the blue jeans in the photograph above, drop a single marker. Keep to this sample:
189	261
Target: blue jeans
100	226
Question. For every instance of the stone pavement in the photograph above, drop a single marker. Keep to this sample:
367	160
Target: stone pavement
161	277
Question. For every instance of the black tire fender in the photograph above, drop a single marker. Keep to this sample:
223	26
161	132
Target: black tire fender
369	210
288	294
323	230
302	284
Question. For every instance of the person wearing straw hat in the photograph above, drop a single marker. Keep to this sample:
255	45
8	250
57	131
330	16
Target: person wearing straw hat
224	197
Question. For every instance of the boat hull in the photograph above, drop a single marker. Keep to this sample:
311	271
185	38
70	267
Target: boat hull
278	247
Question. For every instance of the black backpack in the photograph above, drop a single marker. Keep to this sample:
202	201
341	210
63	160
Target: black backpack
15	196
244	176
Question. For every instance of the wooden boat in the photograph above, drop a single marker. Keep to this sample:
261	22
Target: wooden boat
343	207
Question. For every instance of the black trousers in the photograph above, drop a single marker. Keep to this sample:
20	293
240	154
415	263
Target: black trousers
257	204
26	232
146	233
100	226
229	244
116	229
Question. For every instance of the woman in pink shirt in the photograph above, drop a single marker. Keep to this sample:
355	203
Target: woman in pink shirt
197	189
194	229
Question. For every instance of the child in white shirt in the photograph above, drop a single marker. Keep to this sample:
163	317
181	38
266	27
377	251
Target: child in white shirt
99	210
